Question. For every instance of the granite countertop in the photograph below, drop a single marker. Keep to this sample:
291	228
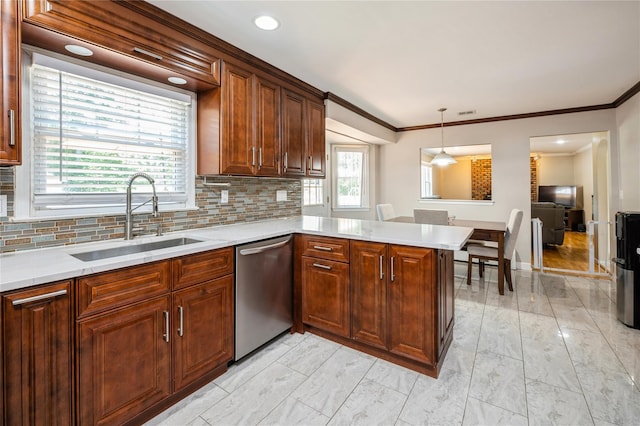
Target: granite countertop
32	267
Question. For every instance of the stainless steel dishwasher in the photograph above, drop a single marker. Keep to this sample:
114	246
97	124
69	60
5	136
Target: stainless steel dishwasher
264	292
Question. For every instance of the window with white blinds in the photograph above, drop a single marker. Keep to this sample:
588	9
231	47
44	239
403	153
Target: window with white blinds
89	135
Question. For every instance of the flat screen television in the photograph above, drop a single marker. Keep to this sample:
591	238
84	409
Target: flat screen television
569	196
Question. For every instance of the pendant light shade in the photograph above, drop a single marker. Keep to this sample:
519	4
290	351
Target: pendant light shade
442	158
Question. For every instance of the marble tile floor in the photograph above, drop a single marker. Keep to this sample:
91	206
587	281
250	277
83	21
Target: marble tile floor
550	352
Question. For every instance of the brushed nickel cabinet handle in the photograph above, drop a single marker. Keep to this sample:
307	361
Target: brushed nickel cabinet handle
259	158
321	248
310	162
318	265
12	128
393	275
381	267
286	161
147	53
181	319
165	336
39	297
253	156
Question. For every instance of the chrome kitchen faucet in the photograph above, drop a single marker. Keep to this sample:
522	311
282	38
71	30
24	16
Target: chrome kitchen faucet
128	224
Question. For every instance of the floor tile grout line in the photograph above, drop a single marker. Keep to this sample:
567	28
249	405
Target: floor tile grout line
304	381
475	357
573	364
524	373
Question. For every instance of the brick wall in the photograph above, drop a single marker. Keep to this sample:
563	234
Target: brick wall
250	199
481	179
533	165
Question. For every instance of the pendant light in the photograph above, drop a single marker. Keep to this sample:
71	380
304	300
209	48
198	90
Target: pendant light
442	158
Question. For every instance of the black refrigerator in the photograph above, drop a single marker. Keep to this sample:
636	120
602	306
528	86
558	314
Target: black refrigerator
627	264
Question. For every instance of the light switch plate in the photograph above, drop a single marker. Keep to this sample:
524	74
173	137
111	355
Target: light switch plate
281	195
3	205
224	196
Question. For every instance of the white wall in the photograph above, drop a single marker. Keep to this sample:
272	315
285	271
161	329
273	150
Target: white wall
400	171
583	176
556	170
628	160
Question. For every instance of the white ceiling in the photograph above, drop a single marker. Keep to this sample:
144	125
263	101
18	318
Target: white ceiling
401	61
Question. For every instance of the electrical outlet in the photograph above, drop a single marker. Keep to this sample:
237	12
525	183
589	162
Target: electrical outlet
281	195
3	205
224	197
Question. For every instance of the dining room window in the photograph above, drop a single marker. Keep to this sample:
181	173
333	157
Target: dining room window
426	176
351	176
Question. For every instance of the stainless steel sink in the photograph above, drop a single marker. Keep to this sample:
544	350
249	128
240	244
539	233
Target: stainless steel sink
88	256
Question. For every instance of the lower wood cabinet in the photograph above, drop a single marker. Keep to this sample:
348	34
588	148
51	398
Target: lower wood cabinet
38	363
392	293
137	355
123	362
203	323
325	295
412	303
397	302
369	293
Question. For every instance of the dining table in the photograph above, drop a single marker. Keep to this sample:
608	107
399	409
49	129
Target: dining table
483	230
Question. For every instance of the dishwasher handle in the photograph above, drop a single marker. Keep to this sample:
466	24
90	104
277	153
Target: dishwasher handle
261	249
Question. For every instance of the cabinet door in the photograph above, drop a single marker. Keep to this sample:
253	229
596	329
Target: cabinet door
238	154
38	355
203	324
123	362
369	293
325	295
267	122
412	282
446	297
293	134
10	152
315	142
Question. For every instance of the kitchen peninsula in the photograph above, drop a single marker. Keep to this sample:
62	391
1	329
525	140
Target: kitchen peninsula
382	288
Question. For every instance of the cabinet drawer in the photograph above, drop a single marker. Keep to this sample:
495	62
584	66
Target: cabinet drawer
198	268
325	248
100	292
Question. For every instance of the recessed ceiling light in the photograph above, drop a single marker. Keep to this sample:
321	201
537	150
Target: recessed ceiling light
266	22
78	50
561	141
177	80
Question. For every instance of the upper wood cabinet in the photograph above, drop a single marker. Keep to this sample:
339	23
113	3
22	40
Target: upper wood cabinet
303	136
250	124
315	139
10	151
118	32
38	364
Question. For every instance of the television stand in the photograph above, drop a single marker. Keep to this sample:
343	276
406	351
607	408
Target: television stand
573	218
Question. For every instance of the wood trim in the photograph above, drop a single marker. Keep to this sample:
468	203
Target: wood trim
510	117
627	95
351	107
615	104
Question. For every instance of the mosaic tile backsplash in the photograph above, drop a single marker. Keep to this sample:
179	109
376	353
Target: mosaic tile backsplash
250	199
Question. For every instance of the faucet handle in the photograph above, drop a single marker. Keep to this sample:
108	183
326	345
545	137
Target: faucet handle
154	201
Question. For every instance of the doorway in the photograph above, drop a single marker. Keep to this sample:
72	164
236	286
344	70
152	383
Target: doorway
570	203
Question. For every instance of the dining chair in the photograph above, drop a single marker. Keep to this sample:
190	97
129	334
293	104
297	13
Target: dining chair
433	217
484	252
385	212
